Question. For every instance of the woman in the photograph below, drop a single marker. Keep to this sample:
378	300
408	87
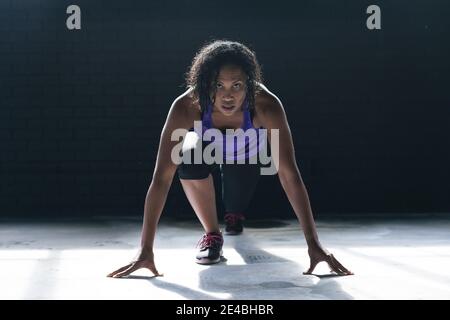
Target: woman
224	92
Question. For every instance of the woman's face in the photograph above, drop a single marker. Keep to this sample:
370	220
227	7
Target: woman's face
230	90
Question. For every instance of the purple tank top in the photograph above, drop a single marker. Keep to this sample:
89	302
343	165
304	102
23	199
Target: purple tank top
243	144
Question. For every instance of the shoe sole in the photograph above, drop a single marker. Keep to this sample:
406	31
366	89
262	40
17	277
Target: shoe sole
206	261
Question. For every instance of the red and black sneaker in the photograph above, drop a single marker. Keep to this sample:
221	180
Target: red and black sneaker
233	223
210	248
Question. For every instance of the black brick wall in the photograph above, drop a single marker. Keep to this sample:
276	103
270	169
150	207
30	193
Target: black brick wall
81	111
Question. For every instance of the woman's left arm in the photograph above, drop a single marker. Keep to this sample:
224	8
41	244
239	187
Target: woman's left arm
272	116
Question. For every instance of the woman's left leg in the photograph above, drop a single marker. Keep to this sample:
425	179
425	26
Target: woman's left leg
239	183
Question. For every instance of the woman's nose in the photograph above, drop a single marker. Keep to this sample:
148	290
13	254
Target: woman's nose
228	96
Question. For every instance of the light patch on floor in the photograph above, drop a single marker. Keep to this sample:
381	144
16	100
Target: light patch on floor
391	260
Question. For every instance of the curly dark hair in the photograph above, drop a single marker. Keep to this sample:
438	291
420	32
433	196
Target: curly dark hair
205	67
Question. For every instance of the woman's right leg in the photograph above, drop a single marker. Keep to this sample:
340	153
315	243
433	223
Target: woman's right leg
198	186
201	196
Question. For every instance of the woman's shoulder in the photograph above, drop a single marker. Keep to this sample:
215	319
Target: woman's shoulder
266	102
186	106
186	101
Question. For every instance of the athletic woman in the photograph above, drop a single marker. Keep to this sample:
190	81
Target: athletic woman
225	91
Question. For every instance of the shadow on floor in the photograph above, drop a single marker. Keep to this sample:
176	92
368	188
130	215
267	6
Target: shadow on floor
263	276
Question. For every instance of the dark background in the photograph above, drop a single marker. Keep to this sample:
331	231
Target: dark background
81	111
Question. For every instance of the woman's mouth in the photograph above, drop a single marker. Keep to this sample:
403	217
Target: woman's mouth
228	108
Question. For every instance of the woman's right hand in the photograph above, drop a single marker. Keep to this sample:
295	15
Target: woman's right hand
144	260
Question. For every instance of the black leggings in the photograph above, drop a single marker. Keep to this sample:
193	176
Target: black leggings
238	181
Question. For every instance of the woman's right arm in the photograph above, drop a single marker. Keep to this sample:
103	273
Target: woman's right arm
163	172
177	118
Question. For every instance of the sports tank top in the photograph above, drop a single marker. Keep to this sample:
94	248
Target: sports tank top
242	144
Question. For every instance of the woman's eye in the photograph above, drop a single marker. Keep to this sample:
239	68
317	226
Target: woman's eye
219	85
237	85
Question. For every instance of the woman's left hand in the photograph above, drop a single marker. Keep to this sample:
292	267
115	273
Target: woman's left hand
318	254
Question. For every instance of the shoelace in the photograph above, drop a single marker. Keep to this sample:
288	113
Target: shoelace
210	240
233	218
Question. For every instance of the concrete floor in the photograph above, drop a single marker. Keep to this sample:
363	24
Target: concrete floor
405	257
